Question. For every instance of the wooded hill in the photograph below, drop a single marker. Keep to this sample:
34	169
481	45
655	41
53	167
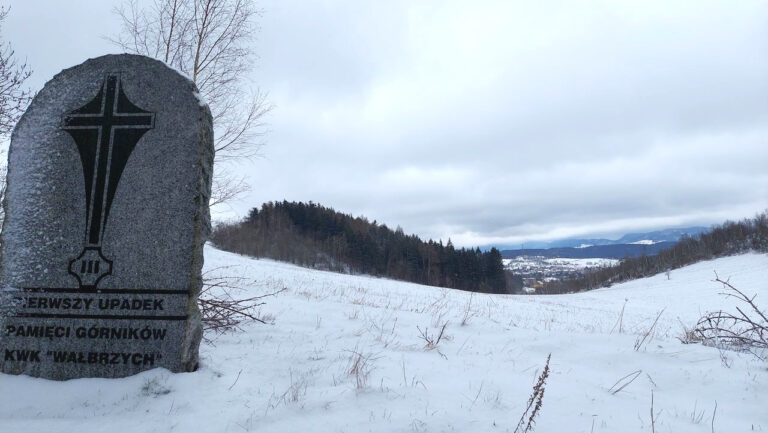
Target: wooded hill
311	235
723	240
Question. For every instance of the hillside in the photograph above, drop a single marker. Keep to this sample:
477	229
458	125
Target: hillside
721	240
320	237
299	374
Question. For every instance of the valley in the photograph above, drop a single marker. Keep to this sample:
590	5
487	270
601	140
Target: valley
535	270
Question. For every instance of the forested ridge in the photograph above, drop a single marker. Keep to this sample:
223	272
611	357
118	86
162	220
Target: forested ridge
723	240
311	235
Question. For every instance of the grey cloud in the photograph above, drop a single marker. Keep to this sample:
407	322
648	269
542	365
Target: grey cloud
496	121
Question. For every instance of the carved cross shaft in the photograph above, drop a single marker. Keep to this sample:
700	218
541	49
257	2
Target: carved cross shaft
106	130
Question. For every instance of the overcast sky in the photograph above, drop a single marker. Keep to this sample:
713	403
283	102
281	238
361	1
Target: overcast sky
490	121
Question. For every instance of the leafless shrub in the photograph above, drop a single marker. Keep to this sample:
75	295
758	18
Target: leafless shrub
745	331
223	311
644	337
624	382
528	418
431	341
359	367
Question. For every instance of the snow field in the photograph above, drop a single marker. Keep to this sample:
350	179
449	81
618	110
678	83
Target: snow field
345	354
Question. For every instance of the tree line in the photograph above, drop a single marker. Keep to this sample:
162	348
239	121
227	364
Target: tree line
723	240
311	235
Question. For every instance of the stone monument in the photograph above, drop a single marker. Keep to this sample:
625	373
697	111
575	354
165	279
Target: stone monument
106	215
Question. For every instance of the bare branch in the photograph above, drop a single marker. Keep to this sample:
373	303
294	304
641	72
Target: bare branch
225	188
211	41
14	98
222	311
746	330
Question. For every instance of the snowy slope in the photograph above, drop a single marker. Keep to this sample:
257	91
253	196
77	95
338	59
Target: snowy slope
293	376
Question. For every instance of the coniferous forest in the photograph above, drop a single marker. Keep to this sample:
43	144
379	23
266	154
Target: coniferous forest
308	234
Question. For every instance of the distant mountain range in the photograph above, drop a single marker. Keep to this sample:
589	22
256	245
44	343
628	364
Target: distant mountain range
618	251
670	235
629	245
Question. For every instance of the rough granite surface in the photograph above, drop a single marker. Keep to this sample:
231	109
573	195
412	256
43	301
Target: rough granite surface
144	314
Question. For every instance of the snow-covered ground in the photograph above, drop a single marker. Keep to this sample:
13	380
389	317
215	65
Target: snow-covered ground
645	242
297	375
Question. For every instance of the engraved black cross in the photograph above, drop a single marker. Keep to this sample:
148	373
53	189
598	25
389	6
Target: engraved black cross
106	130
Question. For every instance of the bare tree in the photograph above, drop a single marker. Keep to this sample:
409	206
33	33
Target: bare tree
14	97
211	42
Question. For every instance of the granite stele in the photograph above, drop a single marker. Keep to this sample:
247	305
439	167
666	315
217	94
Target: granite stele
106	215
